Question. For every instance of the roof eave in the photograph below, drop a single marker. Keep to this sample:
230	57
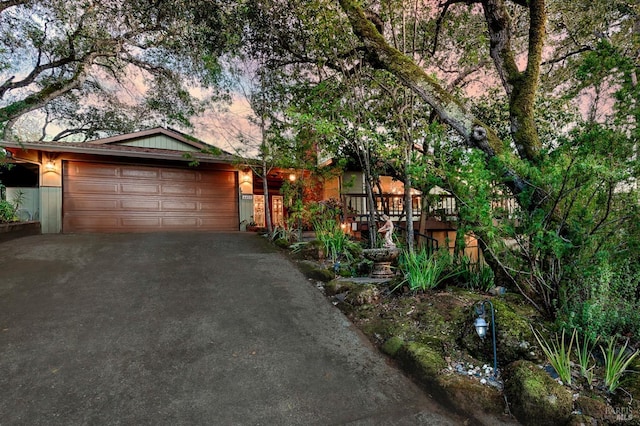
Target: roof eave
111	152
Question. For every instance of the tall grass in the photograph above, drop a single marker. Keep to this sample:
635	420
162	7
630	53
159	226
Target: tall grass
424	271
616	363
585	357
558	354
334	241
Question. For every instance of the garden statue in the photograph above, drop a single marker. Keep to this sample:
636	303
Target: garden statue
387	229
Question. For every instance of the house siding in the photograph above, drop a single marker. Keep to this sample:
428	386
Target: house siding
160	142
51	209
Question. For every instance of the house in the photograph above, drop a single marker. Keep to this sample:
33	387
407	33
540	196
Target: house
435	215
139	182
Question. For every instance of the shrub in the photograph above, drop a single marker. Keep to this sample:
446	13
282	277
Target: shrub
335	242
558	354
616	364
604	301
424	271
7	212
475	275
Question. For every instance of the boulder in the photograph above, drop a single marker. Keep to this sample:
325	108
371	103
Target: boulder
314	271
534	397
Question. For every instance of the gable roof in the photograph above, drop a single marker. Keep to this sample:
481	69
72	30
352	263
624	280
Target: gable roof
173	134
125	146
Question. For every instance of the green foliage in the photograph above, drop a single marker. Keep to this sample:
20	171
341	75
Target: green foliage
334	240
281	233
171	50
616	363
475	275
9	209
602	300
7	212
558	354
423	270
584	355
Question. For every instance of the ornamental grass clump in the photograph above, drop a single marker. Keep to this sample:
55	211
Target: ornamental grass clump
423	270
558	354
585	357
334	241
616	364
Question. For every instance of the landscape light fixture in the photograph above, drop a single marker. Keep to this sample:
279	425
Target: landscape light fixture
482	327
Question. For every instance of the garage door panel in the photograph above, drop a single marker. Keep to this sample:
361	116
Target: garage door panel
86	187
91	204
179	190
140	223
151	205
206	191
175	176
136	188
140	174
188	206
219	207
92	170
126	198
85	224
180	222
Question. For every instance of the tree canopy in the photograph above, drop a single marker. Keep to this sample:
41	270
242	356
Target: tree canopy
516	99
110	66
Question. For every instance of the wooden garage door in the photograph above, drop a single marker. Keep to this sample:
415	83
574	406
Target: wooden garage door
124	198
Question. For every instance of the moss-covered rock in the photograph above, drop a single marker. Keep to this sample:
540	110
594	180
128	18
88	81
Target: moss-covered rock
354	294
282	243
364	294
514	336
392	346
337	286
534	397
312	250
423	361
314	271
471	396
592	407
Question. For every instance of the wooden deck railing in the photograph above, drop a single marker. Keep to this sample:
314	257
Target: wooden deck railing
442	207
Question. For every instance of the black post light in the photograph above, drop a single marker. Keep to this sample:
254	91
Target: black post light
482	327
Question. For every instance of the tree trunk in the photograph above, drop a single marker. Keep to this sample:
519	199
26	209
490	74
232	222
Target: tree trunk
408	201
449	109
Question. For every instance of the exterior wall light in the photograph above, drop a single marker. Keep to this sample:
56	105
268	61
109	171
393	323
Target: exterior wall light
482	327
245	177
292	177
50	166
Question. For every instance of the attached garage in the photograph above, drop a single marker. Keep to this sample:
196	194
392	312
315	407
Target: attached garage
102	197
154	180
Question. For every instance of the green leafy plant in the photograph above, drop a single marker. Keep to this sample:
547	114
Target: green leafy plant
558	354
616	363
424	271
333	239
475	275
283	234
7	212
584	356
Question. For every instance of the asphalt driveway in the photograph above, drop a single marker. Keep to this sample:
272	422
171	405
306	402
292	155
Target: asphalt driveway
197	328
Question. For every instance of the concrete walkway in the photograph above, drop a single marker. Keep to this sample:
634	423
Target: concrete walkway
183	329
